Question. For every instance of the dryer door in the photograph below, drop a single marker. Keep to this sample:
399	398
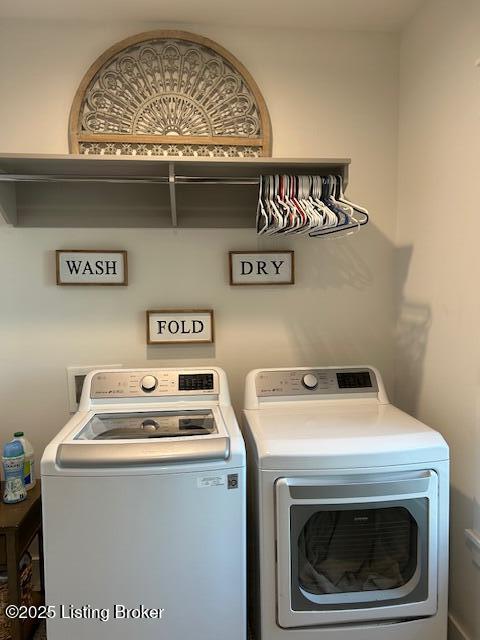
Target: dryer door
356	548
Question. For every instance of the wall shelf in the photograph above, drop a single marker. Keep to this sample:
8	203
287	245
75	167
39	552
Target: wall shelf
109	191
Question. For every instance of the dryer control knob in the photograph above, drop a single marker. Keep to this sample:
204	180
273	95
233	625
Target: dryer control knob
148	383
310	381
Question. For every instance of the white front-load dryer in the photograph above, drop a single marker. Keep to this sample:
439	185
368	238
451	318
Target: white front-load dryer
348	510
144	511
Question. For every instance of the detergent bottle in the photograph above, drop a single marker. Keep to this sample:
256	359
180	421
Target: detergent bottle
13	463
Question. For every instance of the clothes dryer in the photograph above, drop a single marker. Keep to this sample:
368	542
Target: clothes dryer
348	510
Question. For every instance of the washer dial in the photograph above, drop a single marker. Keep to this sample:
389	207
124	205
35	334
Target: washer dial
310	381
148	383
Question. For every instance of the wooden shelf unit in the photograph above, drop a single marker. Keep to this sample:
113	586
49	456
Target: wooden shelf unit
138	191
20	525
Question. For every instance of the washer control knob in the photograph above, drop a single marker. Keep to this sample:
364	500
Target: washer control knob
310	381
148	383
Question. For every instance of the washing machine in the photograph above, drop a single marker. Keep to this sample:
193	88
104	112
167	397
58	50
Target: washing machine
348	510
144	510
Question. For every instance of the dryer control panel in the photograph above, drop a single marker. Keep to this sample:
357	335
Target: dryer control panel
301	382
134	384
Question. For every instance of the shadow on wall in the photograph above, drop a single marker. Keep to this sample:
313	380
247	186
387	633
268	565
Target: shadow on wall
350	328
412	326
411	335
341	262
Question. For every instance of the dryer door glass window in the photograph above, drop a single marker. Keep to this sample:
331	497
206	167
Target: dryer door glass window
359	554
357	550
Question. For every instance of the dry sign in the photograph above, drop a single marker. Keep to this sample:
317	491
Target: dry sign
86	266
174	326
261	267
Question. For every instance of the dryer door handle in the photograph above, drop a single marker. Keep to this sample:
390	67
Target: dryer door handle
407	486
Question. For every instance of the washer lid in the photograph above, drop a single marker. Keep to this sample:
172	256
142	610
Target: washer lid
338	435
149	424
146	437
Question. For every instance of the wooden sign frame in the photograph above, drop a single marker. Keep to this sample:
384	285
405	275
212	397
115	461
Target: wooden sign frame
122	252
234	283
185	312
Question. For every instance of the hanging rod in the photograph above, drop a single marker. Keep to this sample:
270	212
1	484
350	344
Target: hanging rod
227	180
216	180
10	177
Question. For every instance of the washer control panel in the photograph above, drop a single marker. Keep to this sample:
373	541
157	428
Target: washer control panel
302	382
133	384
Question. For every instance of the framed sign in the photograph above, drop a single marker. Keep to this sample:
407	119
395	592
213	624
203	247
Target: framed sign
92	267
175	326
261	267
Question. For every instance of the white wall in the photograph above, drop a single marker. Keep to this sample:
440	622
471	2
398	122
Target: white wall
329	95
438	348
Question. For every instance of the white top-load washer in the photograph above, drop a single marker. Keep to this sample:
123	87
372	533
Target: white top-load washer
348	510
144	510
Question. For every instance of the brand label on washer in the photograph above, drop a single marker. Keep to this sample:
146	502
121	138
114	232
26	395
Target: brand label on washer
210	481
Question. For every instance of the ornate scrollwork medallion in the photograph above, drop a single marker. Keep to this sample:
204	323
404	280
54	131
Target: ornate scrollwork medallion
169	93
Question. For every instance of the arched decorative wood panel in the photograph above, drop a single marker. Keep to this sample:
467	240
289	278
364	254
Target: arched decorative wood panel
169	93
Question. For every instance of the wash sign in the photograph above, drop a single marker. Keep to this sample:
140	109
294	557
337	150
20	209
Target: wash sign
261	267
91	267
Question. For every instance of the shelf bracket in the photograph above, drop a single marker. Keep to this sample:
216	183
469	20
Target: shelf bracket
173	199
8	203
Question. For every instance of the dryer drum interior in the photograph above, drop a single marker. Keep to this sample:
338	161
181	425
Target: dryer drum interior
357	550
